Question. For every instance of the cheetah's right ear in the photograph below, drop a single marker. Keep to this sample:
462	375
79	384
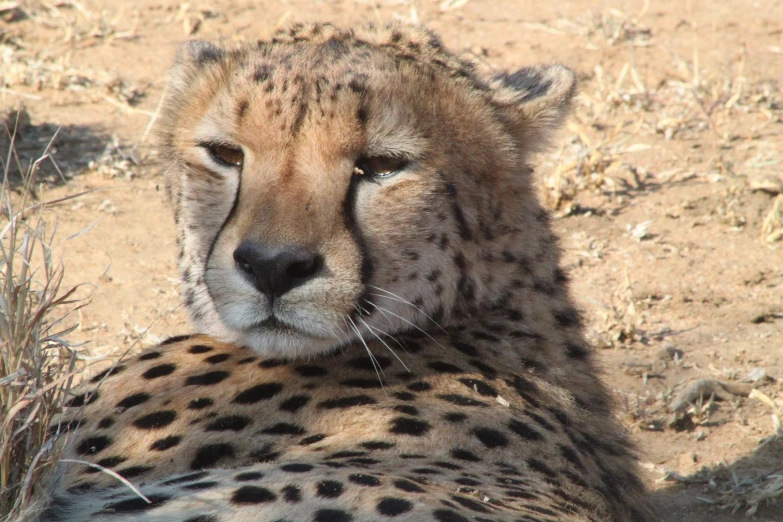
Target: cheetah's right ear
535	101
192	56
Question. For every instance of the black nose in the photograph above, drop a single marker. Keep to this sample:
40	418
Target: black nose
276	270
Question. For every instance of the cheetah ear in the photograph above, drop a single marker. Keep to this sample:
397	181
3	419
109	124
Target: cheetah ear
199	52
192	57
535	102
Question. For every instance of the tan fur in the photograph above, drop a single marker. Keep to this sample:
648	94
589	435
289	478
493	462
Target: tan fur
439	345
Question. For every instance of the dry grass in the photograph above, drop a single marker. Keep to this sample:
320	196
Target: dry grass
37	365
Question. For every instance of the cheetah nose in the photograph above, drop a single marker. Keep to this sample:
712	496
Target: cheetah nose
274	270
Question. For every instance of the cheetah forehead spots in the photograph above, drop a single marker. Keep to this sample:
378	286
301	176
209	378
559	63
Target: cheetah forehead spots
330	185
390	334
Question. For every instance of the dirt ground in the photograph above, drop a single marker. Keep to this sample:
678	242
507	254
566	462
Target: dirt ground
666	187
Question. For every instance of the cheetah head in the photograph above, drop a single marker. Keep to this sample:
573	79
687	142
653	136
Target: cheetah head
331	186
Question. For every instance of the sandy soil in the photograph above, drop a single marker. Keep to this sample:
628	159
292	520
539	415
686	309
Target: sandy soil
675	253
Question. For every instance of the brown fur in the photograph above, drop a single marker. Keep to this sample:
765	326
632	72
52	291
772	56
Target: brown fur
441	346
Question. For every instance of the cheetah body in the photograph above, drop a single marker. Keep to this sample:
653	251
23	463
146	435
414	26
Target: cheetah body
433	368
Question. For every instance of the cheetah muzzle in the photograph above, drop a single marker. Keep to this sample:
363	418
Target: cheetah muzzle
387	332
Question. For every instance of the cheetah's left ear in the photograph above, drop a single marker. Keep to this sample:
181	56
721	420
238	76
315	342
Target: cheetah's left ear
534	101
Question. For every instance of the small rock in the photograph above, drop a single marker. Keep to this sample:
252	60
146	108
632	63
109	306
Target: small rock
669	353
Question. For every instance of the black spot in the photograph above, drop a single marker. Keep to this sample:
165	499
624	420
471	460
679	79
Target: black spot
155	420
228	422
170	340
447	515
467	482
293	404
376	445
542	468
271	363
265	454
93	445
346	454
419	386
260	392
217	358
135	504
525	388
361	115
577	351
567	318
312	439
409	426
105	422
446	465
246	360
470	504
149	356
308	370
455	417
252	495
523	430
544	287
109	462
283	428
461	400
114	370
208	455
488	371
297	468
165	443
491	438
292	494
200	403
80	400
347	402
207	484
248	475
159	371
364	480
407	410
443	367
262	73
133	471
465	348
365	363
362	383
329	489
199	348
407	486
391	507
133	400
186	478
461	454
332	515
206	379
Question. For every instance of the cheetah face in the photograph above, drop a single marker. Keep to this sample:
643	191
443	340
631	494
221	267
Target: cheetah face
328	188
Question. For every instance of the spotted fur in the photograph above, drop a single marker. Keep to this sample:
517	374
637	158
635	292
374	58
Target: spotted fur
434	370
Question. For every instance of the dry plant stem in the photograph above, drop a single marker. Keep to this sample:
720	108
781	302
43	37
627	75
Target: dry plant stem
37	367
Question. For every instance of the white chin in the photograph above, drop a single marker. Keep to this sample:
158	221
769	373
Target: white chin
289	345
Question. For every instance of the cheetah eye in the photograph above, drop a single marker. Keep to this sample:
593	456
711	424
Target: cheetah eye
225	154
380	167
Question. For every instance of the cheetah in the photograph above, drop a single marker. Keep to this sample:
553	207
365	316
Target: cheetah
387	332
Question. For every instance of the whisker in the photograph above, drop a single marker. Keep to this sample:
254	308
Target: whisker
410	323
384	343
418	308
372	357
